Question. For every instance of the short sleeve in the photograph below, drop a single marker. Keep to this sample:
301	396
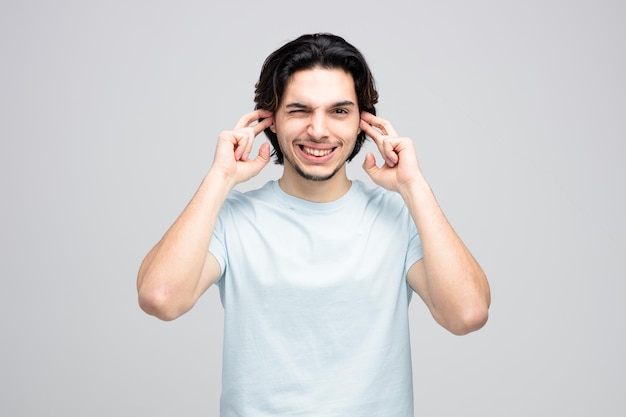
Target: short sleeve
217	247
414	251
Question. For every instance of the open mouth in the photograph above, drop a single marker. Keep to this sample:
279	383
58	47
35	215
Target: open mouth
316	152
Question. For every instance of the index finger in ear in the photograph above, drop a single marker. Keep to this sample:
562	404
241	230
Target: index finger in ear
247	119
263	124
384	127
370	131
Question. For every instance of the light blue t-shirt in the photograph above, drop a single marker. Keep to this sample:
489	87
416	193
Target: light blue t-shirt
315	304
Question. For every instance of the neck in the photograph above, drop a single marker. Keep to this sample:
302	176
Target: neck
316	191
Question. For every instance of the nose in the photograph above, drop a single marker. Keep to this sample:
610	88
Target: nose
318	125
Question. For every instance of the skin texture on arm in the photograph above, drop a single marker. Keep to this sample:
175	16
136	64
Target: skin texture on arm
179	268
448	278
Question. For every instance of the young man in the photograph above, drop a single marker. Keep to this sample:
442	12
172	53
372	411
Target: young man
315	271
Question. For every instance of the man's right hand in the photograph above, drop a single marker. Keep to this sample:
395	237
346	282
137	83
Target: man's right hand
234	147
179	268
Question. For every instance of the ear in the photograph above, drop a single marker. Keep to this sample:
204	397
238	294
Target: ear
273	128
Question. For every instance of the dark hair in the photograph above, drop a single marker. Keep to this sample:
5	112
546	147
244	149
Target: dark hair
323	50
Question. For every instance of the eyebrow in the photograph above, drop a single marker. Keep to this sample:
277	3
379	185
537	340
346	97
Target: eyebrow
297	105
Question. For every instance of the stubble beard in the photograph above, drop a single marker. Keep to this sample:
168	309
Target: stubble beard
312	177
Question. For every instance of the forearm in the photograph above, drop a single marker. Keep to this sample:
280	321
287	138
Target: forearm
455	286
170	278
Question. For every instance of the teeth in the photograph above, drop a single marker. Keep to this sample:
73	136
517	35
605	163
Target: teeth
316	152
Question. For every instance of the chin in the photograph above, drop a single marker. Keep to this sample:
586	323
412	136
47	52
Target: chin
316	176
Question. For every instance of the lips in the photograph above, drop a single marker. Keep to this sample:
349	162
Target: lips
316	152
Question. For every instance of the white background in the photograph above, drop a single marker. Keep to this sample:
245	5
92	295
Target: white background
109	112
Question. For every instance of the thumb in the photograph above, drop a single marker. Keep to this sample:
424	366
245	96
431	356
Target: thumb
369	165
263	157
252	167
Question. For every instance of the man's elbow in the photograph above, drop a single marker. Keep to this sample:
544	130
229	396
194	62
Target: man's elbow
161	304
471	320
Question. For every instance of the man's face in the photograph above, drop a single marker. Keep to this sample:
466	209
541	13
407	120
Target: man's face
317	122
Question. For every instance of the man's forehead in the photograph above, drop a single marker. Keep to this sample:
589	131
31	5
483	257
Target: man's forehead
320	86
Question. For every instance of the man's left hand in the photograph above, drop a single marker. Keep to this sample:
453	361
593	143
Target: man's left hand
401	167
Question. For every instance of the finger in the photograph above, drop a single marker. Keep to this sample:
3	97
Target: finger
263	157
247	145
384	143
370	162
263	124
389	153
370	167
242	140
253	167
371	131
254	132
247	119
244	136
383	125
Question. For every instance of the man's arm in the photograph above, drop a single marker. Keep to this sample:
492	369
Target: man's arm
448	278
179	268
